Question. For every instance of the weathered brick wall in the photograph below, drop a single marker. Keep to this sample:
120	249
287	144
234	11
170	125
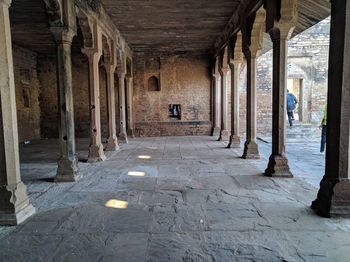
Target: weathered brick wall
27	89
49	99
183	80
264	99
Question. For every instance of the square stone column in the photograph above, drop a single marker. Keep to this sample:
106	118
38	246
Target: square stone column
235	140
216	109
278	162
68	163
96	152
129	107
112	144
123	137
14	202
334	195
251	149
224	134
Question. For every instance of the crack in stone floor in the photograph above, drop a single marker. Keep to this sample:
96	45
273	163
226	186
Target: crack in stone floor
169	199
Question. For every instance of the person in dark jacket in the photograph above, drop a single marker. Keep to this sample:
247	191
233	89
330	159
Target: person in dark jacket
292	101
323	127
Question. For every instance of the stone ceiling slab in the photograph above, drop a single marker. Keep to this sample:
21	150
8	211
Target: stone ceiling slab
171	25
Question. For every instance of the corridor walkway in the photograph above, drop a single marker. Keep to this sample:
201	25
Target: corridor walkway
169	199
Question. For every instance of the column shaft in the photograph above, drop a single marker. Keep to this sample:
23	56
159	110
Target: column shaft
278	162
216	109
122	103
224	134
235	140
14	202
68	163
96	152
251	150
334	194
112	144
130	117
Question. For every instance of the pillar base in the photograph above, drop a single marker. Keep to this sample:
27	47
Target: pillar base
123	138
67	170
341	199
278	167
333	198
235	142
216	131
96	154
14	205
224	135
112	144
251	150
130	133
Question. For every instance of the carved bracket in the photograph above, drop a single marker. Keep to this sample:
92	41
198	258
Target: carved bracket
54	11
62	17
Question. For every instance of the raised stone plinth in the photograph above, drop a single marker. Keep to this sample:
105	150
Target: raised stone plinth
278	167
235	142
224	135
216	131
15	206
251	151
112	144
67	170
96	154
341	199
123	138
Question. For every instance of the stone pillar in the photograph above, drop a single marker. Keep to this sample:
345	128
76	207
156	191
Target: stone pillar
278	163
217	118
14	202
129	107
224	134
68	163
235	140
334	194
123	138
96	152
251	150
112	144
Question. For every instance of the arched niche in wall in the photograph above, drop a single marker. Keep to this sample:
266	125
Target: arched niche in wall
153	84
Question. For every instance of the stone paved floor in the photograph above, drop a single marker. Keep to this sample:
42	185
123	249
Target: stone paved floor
170	199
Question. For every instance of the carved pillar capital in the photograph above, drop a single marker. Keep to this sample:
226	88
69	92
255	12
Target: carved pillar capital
92	53
235	63
284	27
63	35
121	74
6	2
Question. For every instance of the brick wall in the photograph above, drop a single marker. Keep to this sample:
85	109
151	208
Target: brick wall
27	89
183	81
49	99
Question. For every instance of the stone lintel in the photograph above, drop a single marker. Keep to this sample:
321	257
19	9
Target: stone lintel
251	150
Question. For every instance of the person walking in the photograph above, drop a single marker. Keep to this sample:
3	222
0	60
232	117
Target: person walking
323	126
292	101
